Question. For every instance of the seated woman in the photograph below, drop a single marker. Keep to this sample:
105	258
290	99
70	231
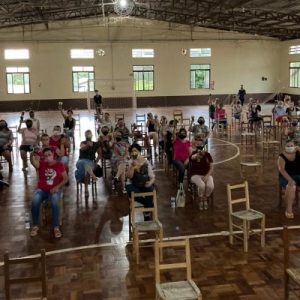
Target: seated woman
181	148
118	160
6	140
237	109
141	177
200	129
279	112
289	174
200	171
69	125
87	159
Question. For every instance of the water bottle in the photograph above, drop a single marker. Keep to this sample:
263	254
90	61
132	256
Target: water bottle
27	221
173	202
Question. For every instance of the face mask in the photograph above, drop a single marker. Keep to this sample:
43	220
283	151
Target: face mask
118	139
56	132
201	122
182	136
134	156
28	126
2	126
290	149
200	148
105	133
294	124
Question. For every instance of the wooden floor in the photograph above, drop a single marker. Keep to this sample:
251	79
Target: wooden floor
108	271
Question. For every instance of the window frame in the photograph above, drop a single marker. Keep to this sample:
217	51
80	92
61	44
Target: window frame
82	57
142	51
194	71
89	88
200	53
143	79
12	73
298	74
294	49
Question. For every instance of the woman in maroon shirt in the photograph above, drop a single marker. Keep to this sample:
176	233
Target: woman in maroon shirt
201	171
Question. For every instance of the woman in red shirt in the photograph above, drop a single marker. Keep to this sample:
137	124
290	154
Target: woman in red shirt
181	148
201	171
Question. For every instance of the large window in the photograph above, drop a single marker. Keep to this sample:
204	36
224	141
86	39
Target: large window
83	79
200	76
142	53
294	49
82	53
16	54
143	78
295	74
17	79
200	52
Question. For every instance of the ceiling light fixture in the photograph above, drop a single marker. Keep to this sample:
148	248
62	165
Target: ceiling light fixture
123	7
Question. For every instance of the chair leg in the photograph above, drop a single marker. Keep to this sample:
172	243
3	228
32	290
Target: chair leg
262	238
136	246
245	235
230	231
161	239
286	285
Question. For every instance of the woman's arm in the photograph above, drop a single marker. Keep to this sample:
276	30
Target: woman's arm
282	171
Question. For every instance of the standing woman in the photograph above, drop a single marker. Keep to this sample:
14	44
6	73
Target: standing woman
289	174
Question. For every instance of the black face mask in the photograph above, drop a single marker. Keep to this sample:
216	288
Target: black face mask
29	126
2	126
118	139
182	136
201	122
200	148
105	133
134	156
293	124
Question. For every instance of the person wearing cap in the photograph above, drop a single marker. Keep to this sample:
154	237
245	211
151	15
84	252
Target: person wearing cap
200	171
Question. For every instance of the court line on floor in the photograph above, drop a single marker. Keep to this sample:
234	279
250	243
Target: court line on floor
192	236
230	158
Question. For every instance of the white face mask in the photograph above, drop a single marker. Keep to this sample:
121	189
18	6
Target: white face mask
290	149
56	132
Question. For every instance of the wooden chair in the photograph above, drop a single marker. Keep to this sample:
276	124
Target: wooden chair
45	211
183	290
178	115
269	142
290	271
248	160
244	216
247	135
143	227
8	281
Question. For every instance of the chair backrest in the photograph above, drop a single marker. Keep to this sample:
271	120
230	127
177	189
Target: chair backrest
178	115
135	210
186	264
290	246
41	258
245	199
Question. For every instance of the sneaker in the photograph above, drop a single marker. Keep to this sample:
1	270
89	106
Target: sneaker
201	205
57	233
34	231
205	205
124	191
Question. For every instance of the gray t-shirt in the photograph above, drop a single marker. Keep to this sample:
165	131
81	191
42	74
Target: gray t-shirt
5	137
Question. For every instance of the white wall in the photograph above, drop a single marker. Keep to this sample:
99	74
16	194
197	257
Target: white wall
236	58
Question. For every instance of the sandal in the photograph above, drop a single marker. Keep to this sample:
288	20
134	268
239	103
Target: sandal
34	231
57	233
289	215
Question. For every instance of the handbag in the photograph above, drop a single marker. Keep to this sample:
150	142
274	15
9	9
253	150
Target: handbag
140	177
180	198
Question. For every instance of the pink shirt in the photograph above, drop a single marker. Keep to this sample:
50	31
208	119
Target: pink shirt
181	149
220	113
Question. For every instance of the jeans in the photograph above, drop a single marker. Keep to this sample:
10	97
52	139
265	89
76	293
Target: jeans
179	165
81	167
38	197
146	201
